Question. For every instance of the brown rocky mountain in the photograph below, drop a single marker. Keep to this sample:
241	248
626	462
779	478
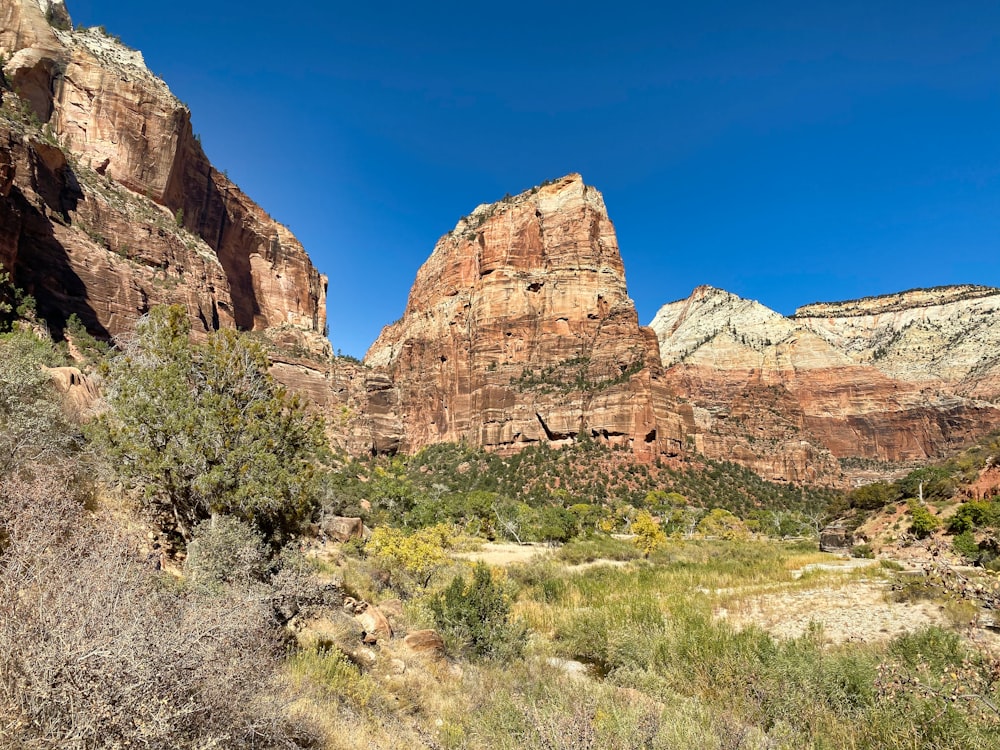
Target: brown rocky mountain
519	330
898	378
108	205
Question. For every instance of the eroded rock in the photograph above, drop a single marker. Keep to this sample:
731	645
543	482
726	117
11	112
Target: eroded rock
519	330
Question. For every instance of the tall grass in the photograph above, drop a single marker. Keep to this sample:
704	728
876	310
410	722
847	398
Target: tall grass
665	674
648	628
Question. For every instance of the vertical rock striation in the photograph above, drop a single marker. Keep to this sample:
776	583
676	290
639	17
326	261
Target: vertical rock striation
110	204
519	330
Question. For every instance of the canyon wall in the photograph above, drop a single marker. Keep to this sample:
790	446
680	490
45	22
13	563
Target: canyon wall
110	205
886	380
519	330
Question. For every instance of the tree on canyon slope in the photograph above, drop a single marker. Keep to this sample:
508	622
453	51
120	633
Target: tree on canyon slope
202	428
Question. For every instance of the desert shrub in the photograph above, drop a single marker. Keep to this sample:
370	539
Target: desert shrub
335	675
862	550
922	522
224	550
96	653
965	545
33	430
476	615
203	429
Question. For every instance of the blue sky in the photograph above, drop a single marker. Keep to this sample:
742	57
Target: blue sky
785	151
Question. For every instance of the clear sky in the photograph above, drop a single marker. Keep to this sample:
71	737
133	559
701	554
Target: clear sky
788	152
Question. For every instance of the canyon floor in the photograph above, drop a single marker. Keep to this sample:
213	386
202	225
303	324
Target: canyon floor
844	599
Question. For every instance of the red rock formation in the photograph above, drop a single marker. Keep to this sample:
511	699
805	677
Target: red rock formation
519	329
877	379
110	205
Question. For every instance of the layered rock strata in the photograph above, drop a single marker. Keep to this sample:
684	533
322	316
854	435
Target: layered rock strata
519	330
109	204
888	379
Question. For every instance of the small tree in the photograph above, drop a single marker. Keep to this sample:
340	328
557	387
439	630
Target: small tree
203	429
477	615
922	522
723	524
648	534
420	554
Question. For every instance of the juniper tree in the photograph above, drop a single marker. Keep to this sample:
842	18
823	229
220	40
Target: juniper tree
202	428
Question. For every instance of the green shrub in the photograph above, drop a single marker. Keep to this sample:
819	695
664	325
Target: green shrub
965	545
972	515
33	430
15	303
202	429
92	349
922	522
476	615
863	550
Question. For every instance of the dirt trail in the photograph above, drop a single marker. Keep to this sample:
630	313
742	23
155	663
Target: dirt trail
493	553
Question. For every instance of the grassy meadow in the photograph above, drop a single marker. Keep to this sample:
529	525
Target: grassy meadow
661	670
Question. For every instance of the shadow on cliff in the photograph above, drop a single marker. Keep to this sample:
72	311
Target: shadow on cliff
42	265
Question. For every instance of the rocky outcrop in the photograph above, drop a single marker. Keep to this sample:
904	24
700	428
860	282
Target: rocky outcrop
109	205
374	626
360	404
519	330
886	379
79	392
946	336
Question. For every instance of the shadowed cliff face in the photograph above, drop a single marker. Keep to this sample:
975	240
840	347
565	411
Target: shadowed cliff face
899	378
519	329
108	187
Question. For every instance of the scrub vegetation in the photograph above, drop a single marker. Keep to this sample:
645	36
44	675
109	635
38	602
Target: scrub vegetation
165	582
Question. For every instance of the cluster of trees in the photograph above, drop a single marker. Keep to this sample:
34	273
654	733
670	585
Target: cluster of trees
974	524
553	495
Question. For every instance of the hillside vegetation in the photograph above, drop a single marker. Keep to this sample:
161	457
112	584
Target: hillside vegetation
164	583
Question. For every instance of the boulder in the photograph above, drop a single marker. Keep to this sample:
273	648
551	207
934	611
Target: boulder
836	538
343	528
374	625
427	642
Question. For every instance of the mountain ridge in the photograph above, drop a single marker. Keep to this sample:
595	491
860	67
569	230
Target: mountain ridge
518	329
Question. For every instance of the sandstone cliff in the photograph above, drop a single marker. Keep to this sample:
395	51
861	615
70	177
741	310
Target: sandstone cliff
887	379
519	329
947	335
109	205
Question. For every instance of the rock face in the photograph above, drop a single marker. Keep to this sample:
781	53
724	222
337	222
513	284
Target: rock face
519	329
891	379
946	336
108	205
